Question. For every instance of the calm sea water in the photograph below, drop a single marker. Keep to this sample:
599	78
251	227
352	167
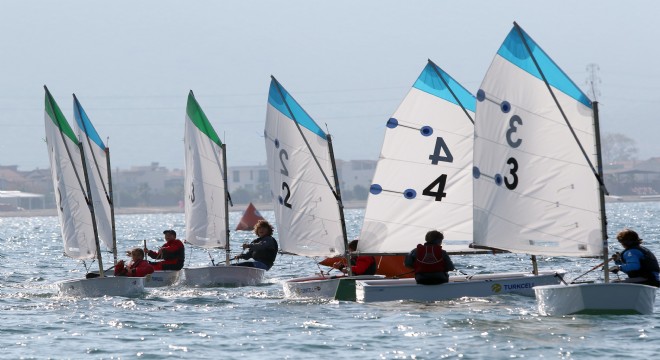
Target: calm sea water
259	323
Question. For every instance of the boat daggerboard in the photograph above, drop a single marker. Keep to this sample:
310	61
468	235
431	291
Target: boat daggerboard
69	184
97	172
534	190
306	210
205	192
423	179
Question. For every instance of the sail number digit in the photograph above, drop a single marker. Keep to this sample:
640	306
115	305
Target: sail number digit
515	119
437	156
441	181
285	172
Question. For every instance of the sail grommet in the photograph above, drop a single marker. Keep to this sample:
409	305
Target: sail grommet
392	123
481	95
410	194
277	143
476	173
280	200
505	106
375	189
498	180
426	130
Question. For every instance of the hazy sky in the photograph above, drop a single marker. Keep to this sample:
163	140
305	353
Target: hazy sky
349	63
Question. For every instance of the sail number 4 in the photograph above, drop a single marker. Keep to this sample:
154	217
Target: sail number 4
441	181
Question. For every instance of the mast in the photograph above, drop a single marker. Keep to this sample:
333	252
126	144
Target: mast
601	193
224	180
340	206
112	206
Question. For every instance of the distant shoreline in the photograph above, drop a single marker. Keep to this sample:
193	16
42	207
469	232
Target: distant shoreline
260	207
158	210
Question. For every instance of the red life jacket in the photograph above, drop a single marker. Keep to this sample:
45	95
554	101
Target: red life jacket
429	259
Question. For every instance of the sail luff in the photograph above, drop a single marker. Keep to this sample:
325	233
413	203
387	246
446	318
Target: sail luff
112	205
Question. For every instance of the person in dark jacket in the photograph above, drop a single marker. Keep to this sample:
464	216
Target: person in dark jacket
636	261
430	262
262	250
138	267
171	255
360	265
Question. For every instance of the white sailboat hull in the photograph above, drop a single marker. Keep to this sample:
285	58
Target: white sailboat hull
162	278
483	285
612	298
222	275
318	286
102	286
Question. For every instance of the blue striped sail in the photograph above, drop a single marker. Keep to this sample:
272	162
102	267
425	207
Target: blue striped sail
423	180
306	211
97	172
534	189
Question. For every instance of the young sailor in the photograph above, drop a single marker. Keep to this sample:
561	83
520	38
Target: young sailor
138	267
360	265
430	262
172	254
262	250
636	261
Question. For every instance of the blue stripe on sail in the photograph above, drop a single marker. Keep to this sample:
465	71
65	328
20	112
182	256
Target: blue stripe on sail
85	124
299	114
428	81
514	51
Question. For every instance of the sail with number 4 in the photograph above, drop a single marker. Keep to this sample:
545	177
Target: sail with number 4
97	163
205	182
423	178
536	189
300	166
73	201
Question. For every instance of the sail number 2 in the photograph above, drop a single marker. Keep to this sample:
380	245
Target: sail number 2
285	172
441	181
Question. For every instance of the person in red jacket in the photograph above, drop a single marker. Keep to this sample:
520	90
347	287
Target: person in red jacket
360	265
138	267
430	262
172	254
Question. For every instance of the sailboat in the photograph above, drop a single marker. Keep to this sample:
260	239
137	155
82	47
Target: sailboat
538	175
100	179
306	194
206	203
75	207
423	182
249	219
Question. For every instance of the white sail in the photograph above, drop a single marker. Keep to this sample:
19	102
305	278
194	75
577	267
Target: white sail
69	184
306	211
534	190
97	172
423	180
205	191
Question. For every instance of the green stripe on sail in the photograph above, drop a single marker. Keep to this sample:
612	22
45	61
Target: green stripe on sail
197	116
55	114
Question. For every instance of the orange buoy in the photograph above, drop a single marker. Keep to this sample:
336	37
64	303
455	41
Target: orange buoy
249	219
